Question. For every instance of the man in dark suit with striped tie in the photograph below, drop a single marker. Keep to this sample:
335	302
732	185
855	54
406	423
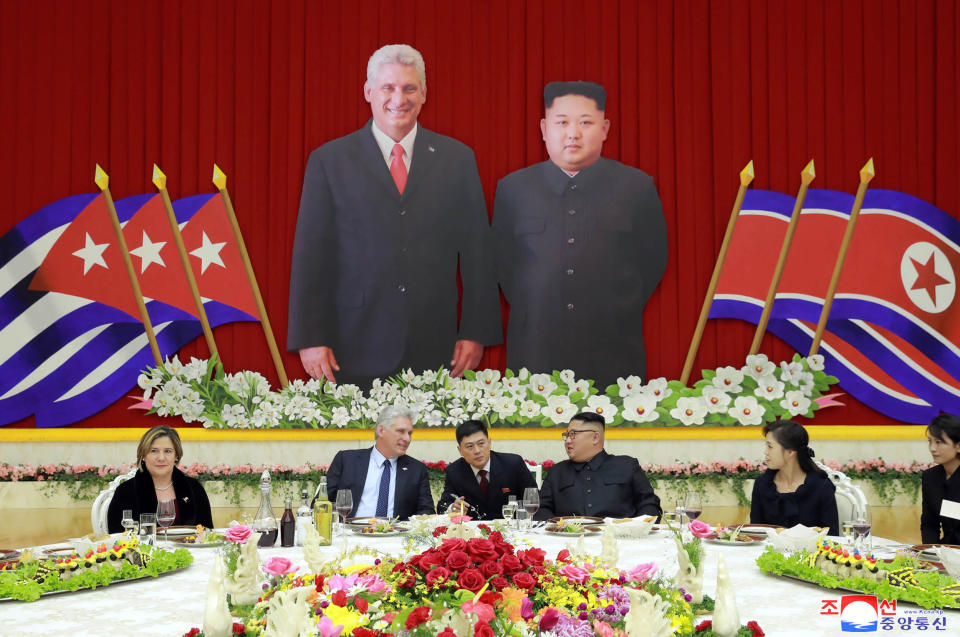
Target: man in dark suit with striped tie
387	215
384	480
483	479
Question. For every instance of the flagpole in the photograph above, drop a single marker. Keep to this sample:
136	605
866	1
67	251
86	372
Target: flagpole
746	177
805	178
220	181
103	182
160	181
866	174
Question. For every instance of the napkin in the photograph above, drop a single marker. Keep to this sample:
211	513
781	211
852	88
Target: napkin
630	527
796	538
951	561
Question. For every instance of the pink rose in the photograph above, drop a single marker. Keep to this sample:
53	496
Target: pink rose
278	566
238	534
699	529
575	574
642	572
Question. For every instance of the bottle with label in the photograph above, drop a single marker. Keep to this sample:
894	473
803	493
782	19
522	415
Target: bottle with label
288	524
304	514
323	515
265	522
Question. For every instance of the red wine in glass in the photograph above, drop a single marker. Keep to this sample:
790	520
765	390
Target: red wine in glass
861	529
693	514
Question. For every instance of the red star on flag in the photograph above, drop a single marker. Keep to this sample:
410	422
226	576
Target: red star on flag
927	277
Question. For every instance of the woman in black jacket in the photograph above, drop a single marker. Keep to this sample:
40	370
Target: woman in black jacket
793	490
159	479
941	483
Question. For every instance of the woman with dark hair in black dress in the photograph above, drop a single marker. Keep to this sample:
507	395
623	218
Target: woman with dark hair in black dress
793	490
941	483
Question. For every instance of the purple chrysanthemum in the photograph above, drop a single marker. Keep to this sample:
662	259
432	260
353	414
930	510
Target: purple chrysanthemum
572	627
618	606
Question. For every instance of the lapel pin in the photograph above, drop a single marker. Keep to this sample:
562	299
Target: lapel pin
186	499
431	149
403	468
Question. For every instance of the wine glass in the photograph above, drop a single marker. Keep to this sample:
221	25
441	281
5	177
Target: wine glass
344	506
862	523
531	501
127	521
693	505
166	513
148	528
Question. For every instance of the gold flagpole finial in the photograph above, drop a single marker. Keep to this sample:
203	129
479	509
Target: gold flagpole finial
101	178
219	178
159	179
867	173
746	175
808	174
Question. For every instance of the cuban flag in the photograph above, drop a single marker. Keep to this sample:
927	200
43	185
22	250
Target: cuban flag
893	335
71	340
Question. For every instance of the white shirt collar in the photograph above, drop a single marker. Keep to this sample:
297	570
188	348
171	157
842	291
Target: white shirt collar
386	144
486	467
379	458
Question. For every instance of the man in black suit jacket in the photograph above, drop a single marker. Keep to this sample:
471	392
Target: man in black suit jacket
386	215
483	479
581	244
593	482
384	481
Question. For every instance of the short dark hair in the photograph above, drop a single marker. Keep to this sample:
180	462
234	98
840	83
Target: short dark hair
946	427
592	90
470	427
591	417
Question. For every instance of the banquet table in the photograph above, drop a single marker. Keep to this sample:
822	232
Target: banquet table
172	604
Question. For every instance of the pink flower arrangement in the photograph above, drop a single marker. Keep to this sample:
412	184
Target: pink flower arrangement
575	574
239	533
278	566
699	528
642	572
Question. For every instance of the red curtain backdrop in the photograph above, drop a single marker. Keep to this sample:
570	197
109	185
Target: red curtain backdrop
696	90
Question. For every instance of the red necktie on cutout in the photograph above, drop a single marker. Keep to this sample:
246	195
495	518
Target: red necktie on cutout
484	485
397	168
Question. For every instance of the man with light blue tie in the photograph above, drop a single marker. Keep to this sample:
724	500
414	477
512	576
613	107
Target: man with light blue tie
384	480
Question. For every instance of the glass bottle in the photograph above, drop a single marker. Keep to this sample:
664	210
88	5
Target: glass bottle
323	515
304	514
265	522
288	524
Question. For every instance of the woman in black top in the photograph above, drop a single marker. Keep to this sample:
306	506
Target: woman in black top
941	482
793	490
158	478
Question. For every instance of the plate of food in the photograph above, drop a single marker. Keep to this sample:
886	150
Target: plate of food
931	552
760	529
380	527
201	538
577	519
568	528
733	536
8	556
181	530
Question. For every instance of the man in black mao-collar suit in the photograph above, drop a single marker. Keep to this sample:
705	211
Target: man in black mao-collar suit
593	482
482	478
384	480
386	214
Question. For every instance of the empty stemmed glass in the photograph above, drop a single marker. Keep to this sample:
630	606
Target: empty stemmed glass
127	522
344	506
166	514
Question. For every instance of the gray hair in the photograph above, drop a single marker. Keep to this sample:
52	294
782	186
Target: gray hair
390	415
397	54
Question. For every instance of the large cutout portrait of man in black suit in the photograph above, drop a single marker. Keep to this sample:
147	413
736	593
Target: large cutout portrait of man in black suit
386	216
483	479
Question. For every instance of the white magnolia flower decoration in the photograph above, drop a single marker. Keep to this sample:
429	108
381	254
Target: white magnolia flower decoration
715	400
602	406
640	408
769	388
530	409
581	386
523	374
796	403
629	386
657	388
195	369
340	416
790	372
559	409
758	366
488	378
567	376
747	410
505	407
729	379
690	411
816	362
542	384
806	383
433	419
234	415
511	384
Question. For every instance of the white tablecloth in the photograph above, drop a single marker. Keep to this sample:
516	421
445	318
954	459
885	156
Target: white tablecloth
170	605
